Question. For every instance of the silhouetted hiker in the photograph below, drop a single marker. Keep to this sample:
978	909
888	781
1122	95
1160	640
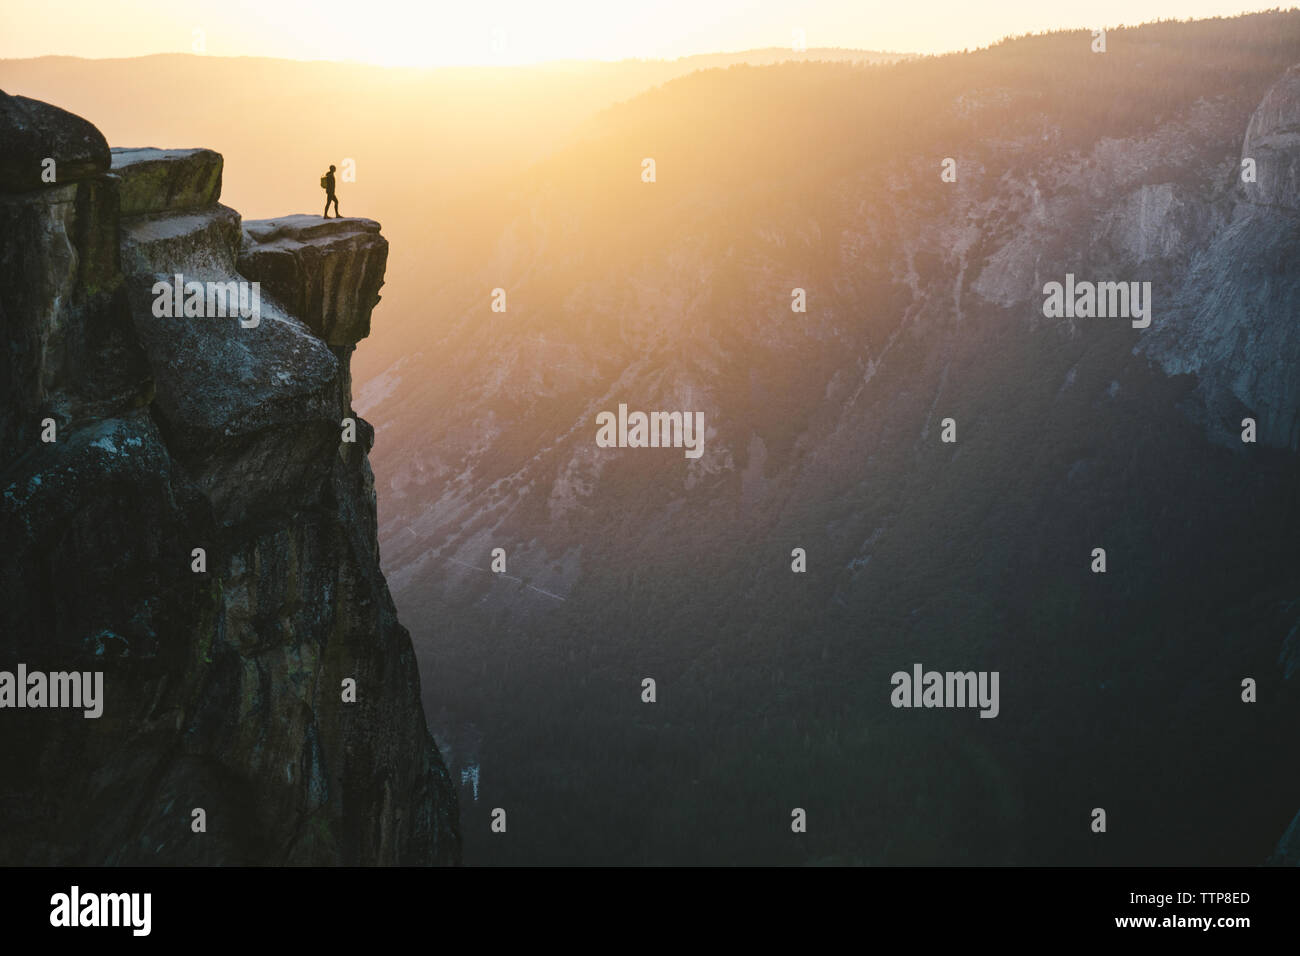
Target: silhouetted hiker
327	183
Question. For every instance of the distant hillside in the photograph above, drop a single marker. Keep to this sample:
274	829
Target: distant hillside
924	303
426	134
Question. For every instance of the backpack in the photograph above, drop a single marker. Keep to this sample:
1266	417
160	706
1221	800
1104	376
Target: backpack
324	182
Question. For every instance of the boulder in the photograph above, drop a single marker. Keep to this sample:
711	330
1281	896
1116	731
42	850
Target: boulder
166	180
199	243
32	132
253	412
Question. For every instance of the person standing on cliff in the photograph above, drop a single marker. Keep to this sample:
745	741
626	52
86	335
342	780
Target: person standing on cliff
327	181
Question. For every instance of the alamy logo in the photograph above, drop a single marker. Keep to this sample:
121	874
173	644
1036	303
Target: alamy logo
102	909
1102	300
208	300
58	689
950	689
651	430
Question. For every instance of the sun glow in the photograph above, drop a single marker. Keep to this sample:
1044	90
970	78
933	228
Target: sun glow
428	33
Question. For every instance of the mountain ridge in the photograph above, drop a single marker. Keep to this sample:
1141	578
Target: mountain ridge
924	303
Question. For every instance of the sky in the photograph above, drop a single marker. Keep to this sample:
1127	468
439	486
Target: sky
510	32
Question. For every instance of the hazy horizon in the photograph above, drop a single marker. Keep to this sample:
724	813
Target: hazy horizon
514	33
785	51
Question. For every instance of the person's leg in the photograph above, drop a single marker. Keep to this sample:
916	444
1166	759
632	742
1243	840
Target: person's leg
336	208
326	214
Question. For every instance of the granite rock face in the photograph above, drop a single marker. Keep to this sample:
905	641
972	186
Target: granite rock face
193	526
325	271
1221	258
1240	277
166	180
1273	142
34	133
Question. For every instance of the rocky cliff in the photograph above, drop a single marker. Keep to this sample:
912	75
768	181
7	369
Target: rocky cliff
1238	281
189	509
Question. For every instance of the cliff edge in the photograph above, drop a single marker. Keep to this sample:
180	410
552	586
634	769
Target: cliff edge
188	508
